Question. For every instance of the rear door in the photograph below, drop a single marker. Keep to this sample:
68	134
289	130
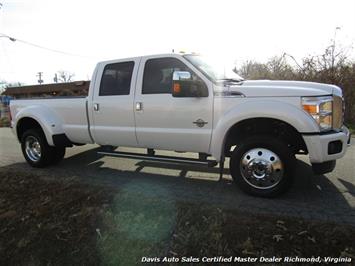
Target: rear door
112	106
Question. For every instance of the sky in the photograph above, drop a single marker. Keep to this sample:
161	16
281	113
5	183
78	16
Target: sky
86	32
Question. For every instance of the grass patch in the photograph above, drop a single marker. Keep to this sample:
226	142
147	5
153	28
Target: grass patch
207	230
45	222
48	222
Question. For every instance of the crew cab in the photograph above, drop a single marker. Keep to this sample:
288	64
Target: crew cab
187	103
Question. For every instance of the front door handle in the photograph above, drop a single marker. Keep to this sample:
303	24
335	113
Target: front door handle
96	107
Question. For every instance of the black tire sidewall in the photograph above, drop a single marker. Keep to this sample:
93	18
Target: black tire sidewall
270	143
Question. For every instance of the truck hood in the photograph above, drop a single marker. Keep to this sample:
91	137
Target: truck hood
283	88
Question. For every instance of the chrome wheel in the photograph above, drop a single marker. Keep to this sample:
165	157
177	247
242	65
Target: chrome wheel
33	148
261	168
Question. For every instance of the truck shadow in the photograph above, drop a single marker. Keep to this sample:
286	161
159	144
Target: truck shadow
184	169
311	197
349	186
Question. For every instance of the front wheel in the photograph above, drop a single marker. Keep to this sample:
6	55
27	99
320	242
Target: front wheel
262	166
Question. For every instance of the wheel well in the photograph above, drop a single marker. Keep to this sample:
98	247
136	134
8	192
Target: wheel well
265	126
25	124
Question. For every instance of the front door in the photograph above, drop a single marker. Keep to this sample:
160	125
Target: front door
166	122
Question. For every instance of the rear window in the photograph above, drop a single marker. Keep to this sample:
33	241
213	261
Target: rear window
116	79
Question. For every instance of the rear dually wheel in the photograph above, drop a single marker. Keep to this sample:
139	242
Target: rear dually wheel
36	150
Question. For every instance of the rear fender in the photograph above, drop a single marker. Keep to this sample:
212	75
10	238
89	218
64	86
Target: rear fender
49	121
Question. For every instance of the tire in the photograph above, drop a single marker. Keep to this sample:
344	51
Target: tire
58	154
35	148
262	166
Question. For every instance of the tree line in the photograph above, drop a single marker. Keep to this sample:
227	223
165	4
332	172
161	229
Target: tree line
333	66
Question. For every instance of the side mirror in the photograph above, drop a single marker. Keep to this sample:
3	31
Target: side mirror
185	86
181	75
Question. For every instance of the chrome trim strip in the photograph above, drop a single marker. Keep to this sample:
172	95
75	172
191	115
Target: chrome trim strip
228	94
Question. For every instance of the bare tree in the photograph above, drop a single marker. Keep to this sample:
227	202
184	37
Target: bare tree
276	68
333	66
254	70
65	76
4	85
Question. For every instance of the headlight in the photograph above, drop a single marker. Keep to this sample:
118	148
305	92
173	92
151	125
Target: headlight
321	109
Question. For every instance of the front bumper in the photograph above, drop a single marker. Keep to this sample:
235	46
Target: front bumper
327	147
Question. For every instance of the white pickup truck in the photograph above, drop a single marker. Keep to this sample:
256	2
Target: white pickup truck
187	103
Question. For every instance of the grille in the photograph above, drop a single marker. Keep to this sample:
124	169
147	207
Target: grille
337	112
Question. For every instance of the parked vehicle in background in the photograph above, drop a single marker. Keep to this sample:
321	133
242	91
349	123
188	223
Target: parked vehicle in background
185	102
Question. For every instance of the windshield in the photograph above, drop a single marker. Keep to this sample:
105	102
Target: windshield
214	69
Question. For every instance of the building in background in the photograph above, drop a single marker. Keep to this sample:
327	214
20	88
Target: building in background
77	88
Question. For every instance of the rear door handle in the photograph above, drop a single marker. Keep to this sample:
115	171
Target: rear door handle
96	107
139	106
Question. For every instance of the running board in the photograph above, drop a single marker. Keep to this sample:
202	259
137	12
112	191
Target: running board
160	158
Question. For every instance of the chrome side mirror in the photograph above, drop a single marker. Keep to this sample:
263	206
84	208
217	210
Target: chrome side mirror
181	75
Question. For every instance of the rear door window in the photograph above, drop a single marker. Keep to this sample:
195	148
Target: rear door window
116	79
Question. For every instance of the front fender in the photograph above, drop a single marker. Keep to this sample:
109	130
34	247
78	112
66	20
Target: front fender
259	108
50	122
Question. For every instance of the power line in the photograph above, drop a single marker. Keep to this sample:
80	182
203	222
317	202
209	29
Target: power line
42	47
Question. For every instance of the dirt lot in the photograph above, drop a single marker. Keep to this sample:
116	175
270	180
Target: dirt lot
47	221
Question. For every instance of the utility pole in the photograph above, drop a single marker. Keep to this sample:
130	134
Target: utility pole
39	75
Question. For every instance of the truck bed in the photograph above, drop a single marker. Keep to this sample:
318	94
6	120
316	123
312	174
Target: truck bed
68	113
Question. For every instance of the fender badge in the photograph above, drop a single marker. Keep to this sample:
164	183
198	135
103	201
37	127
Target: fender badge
200	123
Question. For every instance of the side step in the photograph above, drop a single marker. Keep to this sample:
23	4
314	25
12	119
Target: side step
160	158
